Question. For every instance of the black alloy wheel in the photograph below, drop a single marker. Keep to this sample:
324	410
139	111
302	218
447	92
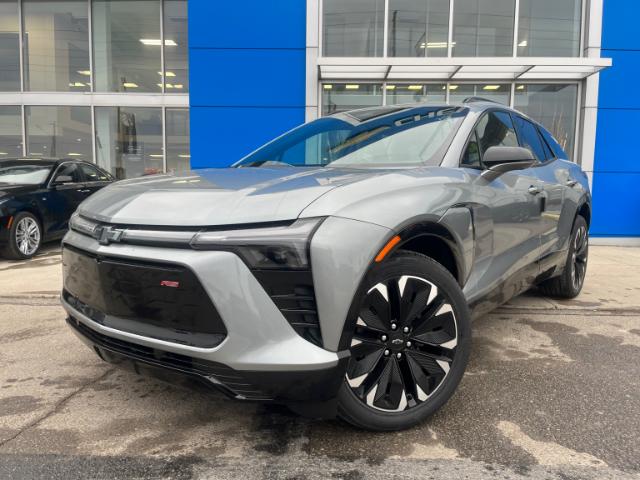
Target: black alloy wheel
579	257
411	340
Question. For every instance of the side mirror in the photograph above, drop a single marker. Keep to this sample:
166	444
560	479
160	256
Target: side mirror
499	160
62	179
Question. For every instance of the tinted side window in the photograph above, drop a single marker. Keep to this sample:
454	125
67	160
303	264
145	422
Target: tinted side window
92	174
529	138
66	172
555	146
495	129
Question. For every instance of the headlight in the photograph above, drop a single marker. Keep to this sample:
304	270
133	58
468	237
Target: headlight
269	247
82	225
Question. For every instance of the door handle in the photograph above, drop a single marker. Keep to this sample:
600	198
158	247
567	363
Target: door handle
81	190
535	190
571	183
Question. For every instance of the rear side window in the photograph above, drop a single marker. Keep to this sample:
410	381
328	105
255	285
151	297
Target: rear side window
530	138
495	129
558	152
92	174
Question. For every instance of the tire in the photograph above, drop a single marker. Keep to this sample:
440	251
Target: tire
24	228
569	283
415	379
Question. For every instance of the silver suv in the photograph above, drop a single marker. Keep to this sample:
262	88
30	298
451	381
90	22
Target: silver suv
337	268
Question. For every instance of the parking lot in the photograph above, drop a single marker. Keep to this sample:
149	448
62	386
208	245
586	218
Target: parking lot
552	392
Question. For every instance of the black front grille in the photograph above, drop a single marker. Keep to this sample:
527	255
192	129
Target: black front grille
158	300
232	382
292	292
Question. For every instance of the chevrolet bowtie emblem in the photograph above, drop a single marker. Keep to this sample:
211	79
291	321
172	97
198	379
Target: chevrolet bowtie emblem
107	235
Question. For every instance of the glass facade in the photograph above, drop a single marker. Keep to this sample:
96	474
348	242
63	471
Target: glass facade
56	46
412	93
59	132
96	46
10	131
418	28
353	28
552	105
549	28
178	129
127	46
497	92
9	46
129	141
340	97
483	28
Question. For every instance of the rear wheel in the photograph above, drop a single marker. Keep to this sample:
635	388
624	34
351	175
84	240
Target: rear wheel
570	282
410	346
25	237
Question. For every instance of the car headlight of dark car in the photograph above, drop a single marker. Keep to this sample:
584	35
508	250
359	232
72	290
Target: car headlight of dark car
280	246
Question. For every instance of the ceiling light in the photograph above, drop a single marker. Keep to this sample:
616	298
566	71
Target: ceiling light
184	156
352	87
491	87
414	87
168	74
327	86
85	72
35	154
77	84
178	86
4	153
74	154
156	155
453	87
391	87
168	85
130	85
523	43
158	42
436	44
520	87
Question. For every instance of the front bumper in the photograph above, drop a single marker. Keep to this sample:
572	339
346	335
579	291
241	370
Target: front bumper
262	357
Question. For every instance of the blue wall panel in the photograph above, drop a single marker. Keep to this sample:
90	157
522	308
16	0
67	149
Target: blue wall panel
616	206
256	78
247	67
226	134
616	197
247	23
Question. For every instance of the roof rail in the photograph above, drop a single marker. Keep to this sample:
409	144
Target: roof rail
478	99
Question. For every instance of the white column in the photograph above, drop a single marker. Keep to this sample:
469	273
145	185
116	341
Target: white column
312	53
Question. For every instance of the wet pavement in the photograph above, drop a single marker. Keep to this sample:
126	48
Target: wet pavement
552	392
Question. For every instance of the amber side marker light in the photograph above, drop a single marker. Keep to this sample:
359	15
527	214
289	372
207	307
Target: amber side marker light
10	222
387	248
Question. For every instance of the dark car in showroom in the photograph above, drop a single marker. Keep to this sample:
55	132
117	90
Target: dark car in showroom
337	268
37	198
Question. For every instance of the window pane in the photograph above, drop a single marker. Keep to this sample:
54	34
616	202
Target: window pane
529	137
496	92
415	93
92	174
483	28
549	28
495	129
59	132
176	57
56	45
418	28
353	28
10	132
341	97
129	140
9	46
126	36
178	150
554	106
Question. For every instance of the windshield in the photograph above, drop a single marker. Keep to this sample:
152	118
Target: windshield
419	136
24	174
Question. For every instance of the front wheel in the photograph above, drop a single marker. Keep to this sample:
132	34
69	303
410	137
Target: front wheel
410	346
25	237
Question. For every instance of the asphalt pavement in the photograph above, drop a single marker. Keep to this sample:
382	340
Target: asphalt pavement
552	392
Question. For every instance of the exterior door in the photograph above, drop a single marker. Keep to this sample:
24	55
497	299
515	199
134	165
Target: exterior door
507	215
66	192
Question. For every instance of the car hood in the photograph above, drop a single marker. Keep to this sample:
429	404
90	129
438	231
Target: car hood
16	189
224	196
